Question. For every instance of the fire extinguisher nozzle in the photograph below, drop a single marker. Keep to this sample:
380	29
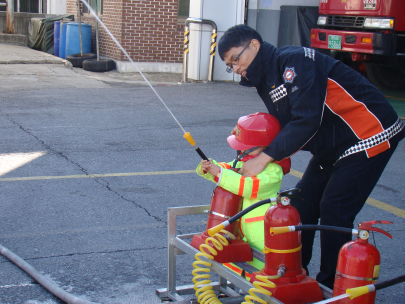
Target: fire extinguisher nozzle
191	141
214	230
189	138
280	230
359	291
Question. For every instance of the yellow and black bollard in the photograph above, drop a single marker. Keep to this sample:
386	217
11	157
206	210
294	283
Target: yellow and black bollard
212	53
185	52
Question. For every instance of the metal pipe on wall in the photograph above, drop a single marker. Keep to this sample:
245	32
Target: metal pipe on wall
97	46
10	29
186	45
80	27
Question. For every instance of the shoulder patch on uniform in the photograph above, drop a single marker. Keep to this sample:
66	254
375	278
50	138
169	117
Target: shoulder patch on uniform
278	93
309	53
289	75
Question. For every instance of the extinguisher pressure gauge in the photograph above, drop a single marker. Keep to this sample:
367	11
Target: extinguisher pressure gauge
364	235
285	201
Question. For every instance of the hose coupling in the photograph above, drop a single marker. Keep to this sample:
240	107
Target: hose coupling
281	271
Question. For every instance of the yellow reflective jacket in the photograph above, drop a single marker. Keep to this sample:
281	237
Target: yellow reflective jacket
253	189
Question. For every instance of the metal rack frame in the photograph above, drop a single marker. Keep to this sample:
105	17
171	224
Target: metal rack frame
227	279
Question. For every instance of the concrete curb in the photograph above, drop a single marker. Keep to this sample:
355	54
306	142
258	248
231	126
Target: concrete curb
15	39
37	61
17	54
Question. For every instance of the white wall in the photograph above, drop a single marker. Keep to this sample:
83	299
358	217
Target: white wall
225	14
56	7
275	4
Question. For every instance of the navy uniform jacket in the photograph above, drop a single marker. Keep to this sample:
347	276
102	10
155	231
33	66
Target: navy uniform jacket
323	106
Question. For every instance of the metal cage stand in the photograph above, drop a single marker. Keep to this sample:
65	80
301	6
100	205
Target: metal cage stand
227	279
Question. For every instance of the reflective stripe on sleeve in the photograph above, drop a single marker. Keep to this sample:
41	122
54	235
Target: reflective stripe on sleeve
255	187
225	165
241	185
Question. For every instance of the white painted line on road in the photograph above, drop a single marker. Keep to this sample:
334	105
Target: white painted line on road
13	179
296	173
370	201
386	207
99	229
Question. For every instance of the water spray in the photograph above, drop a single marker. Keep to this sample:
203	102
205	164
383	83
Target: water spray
186	135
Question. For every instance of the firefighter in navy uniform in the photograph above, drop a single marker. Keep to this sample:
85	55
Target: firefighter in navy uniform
328	109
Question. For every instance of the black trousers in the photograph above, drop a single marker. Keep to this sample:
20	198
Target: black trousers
335	195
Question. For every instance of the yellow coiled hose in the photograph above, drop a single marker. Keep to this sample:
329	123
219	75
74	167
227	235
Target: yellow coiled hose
264	282
203	291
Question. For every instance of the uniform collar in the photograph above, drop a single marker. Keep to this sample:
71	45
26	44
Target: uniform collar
264	61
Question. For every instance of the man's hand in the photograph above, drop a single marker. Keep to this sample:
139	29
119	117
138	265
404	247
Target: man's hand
255	165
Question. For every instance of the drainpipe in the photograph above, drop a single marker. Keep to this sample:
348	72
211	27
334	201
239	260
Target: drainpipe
10	18
80	27
98	51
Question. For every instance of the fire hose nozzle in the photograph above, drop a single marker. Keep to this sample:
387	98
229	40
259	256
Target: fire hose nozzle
189	138
214	230
191	141
359	291
280	230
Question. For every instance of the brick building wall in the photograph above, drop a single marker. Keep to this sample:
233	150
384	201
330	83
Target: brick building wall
147	30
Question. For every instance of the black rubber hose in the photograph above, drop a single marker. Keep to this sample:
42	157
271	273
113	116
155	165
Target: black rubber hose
42	280
201	154
389	283
323	228
237	216
248	209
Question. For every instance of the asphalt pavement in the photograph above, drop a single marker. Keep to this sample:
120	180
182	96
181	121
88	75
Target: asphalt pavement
90	162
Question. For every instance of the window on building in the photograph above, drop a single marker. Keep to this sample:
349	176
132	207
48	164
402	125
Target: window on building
183	9
93	3
28	6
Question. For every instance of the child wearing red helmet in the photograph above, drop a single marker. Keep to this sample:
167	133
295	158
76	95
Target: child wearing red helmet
253	134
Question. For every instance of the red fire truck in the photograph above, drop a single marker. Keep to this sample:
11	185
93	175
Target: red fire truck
369	32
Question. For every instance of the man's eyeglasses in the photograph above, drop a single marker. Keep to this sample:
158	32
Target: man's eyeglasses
235	61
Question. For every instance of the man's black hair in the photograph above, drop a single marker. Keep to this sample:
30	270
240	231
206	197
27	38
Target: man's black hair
236	36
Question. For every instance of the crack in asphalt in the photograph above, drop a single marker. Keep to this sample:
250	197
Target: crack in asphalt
100	181
89	253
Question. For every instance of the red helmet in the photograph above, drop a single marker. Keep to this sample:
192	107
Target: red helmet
254	130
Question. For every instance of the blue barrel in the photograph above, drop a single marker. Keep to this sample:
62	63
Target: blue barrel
56	35
73	38
62	40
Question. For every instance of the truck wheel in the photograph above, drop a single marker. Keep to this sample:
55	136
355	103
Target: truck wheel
77	59
386	78
102	65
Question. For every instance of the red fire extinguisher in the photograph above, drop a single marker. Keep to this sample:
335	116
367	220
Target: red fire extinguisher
358	264
224	205
293	286
286	249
